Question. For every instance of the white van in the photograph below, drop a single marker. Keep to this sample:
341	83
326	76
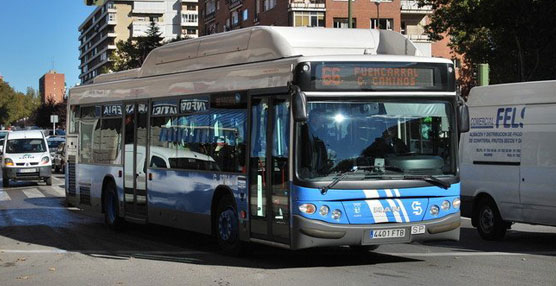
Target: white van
508	166
25	156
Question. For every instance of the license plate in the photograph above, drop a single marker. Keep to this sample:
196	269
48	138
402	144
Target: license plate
33	170
387	233
418	229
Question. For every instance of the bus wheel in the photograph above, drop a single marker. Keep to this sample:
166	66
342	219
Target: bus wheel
227	227
111	210
489	222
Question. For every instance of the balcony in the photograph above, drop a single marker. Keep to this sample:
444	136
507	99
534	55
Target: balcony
307	5
412	7
190	1
149	7
189	19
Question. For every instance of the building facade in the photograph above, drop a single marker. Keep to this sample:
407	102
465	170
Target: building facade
119	20
52	87
403	16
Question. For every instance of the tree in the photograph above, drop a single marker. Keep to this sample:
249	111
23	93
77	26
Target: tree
133	52
515	37
15	105
41	117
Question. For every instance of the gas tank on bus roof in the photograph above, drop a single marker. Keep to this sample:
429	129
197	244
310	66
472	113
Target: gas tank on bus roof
263	43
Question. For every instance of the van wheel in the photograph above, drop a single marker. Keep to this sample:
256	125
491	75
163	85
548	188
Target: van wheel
48	181
5	181
111	211
227	227
489	222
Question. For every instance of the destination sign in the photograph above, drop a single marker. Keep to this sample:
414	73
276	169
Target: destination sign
376	76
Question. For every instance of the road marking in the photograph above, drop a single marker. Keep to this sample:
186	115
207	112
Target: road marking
4	196
33	193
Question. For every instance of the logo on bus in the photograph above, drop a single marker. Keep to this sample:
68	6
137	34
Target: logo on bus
417	209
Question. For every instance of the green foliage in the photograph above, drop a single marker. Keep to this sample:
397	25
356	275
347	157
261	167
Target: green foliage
133	52
16	105
515	37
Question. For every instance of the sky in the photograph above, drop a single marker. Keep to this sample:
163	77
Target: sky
37	36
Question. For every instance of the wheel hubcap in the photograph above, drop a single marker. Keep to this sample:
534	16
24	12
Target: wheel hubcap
487	220
226	225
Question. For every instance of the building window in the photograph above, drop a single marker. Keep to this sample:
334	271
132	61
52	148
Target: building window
385	24
257	8
343	23
189	18
269	4
192	31
111	17
235	18
191	8
210	7
308	19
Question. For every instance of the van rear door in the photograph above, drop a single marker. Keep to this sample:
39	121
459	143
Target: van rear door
538	165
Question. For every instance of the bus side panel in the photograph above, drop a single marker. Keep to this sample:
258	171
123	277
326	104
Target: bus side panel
89	185
183	199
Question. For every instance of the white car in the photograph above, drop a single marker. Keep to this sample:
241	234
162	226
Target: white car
25	156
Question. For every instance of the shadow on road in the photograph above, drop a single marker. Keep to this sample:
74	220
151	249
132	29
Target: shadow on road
515	241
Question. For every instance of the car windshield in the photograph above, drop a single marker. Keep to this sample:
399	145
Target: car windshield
25	146
380	139
53	144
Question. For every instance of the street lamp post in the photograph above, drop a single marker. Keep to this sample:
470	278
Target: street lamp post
377	3
349	14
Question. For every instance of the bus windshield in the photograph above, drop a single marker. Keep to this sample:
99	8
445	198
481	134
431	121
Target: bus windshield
383	139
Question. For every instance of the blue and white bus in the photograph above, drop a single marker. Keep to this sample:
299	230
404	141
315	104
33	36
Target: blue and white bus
291	137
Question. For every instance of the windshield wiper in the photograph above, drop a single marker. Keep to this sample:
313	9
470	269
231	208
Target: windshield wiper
338	178
429	179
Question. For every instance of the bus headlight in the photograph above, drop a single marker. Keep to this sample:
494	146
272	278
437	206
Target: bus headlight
434	210
336	214
445	205
307	208
323	211
45	160
8	162
456	203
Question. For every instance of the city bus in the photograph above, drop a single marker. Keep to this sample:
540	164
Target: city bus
290	137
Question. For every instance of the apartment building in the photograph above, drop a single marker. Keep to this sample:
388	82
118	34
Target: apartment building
403	16
52	86
119	20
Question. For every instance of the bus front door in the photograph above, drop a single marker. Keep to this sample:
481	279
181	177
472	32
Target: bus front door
135	187
269	169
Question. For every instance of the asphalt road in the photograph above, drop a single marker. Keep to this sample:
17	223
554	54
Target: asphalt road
44	243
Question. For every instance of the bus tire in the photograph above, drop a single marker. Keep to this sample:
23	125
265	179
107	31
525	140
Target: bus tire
363	248
112	217
227	227
489	221
48	181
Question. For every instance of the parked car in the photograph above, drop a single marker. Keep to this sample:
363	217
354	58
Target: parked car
59	159
53	143
508	158
25	156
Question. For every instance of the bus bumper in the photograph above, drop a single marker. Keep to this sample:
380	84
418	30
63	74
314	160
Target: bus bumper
311	233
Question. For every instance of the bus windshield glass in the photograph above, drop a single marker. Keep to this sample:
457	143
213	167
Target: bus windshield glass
380	139
25	146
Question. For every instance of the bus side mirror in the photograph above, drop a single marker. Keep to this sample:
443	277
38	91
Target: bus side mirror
463	118
299	106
